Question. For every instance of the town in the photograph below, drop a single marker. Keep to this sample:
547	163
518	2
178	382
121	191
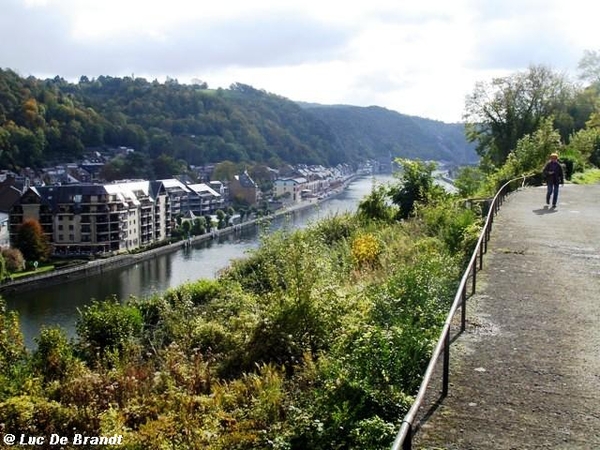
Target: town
82	214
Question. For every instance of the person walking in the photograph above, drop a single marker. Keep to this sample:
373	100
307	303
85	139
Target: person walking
553	173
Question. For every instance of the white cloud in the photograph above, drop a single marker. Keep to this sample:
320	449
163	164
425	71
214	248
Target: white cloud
419	58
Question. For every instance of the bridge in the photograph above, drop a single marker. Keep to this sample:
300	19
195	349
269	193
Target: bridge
523	372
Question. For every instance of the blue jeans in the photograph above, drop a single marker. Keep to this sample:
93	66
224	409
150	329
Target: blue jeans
552	191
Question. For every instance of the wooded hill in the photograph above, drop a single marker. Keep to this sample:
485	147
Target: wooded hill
52	120
376	131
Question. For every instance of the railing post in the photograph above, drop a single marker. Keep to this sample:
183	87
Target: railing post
481	257
446	378
463	312
486	238
474	276
407	444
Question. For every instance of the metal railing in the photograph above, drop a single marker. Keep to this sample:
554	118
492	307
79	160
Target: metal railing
404	437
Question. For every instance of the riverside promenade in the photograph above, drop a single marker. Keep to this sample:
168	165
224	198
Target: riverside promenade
526	372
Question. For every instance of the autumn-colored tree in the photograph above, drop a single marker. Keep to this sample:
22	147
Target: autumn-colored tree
32	241
13	258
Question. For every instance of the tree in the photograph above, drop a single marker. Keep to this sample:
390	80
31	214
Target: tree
589	66
32	241
221	219
500	113
534	149
586	142
14	259
416	185
225	171
199	226
468	181
209	223
166	166
374	207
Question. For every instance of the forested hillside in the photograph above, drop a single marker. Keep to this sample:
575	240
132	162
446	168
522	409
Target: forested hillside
376	131
52	120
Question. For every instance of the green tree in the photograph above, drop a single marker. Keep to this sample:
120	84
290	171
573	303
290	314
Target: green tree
534	149
225	171
416	186
375	206
587	142
499	113
589	66
468	181
199	226
209	223
166	166
32	241
221	219
186	227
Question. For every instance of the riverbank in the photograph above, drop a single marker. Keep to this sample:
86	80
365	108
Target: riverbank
100	266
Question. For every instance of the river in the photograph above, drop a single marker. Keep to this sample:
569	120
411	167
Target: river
58	305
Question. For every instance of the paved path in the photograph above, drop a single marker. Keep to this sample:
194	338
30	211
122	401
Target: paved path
526	373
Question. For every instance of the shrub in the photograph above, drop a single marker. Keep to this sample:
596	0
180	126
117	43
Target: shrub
106	327
37	416
366	249
335	228
53	357
13	355
196	292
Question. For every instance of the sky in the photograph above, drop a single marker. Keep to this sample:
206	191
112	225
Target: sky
417	57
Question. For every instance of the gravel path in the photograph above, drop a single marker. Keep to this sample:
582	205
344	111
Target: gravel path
526	373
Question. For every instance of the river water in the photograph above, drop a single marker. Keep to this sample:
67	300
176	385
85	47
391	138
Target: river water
58	305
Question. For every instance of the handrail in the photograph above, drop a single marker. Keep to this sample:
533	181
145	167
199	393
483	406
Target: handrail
404	437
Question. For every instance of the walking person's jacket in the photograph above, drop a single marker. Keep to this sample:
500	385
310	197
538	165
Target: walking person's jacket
553	172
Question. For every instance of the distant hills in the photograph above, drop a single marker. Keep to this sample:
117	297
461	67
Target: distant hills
374	131
52	120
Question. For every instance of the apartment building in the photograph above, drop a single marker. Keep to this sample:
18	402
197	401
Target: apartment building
96	218
179	196
205	200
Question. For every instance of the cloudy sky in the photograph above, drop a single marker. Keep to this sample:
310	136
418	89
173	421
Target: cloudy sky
418	57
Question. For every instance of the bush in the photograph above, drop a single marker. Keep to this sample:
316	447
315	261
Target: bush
37	416
196	292
107	327
53	357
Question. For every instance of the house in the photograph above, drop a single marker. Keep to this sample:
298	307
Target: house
243	188
96	218
289	189
9	195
